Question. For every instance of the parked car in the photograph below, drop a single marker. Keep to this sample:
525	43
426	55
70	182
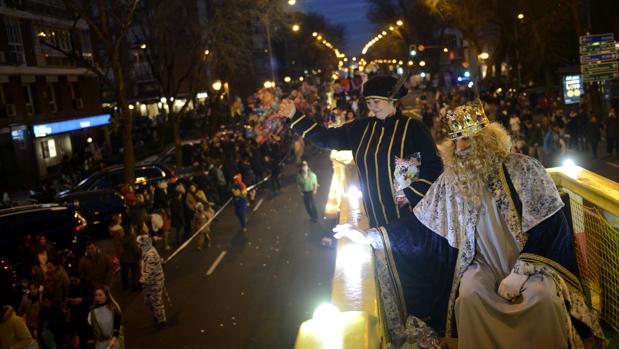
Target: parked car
98	196
113	177
63	225
167	158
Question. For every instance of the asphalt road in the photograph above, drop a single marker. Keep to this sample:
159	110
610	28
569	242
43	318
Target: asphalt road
267	282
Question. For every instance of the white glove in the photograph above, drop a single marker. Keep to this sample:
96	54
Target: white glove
511	286
351	232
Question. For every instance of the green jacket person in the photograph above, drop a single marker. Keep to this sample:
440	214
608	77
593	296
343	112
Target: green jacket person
375	143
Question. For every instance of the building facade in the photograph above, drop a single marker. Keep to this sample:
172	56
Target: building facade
49	104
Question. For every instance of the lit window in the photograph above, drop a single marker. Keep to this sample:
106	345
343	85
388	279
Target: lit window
48	149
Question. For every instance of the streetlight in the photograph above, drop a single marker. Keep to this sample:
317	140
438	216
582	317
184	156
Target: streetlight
484	56
422	63
287	79
301	78
314	34
399	23
206	52
292	2
295	28
217	85
445	50
143	46
267	84
520	16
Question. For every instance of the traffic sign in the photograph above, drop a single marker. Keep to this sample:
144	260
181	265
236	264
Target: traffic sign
598	58
597	48
587	39
600	76
599	67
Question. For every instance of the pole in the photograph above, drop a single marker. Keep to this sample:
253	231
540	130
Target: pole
268	28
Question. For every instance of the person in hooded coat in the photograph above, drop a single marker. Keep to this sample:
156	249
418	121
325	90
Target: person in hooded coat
152	279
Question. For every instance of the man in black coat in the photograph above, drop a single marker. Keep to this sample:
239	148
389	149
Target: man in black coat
375	143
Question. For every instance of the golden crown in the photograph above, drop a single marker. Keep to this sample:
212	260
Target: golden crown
466	120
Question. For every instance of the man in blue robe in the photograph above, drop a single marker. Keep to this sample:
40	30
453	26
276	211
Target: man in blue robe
488	255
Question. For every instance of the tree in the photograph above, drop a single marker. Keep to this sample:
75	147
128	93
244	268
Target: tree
174	43
109	21
300	50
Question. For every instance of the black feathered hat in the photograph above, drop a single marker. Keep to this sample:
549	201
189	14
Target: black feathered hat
382	87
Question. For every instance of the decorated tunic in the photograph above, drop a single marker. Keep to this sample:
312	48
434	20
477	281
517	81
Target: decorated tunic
375	144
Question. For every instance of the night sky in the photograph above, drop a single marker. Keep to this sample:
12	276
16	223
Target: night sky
350	13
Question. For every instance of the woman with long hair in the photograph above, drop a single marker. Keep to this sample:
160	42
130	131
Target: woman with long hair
105	319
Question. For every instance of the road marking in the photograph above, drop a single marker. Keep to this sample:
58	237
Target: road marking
612	164
257	205
216	263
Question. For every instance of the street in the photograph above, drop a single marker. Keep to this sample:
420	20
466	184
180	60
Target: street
260	291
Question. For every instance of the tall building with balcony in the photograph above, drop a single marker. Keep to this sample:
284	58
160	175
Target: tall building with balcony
49	103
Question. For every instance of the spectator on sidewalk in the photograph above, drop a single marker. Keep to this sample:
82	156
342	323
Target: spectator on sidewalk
129	259
78	304
308	186
552	145
30	307
189	208
43	252
177	212
95	267
593	133
13	331
105	319
116	233
56	282
612	134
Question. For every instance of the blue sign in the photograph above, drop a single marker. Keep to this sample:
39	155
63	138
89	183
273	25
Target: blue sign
42	130
587	39
598	58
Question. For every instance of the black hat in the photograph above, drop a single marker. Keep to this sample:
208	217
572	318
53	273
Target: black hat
381	87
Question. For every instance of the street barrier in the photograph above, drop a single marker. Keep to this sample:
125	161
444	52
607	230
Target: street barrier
201	229
356	319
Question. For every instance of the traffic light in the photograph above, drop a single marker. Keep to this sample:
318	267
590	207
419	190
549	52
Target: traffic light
412	49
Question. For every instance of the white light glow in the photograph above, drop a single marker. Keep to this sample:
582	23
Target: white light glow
89	140
569	168
354	193
568	163
325	311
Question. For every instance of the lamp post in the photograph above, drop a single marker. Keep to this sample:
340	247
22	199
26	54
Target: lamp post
520	18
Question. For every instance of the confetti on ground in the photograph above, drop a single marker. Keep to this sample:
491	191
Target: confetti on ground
221	325
242	293
202	331
233	318
234	324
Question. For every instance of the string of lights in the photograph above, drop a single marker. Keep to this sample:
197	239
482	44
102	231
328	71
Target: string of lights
381	35
329	45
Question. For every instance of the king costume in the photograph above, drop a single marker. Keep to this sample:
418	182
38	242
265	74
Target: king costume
375	144
496	270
